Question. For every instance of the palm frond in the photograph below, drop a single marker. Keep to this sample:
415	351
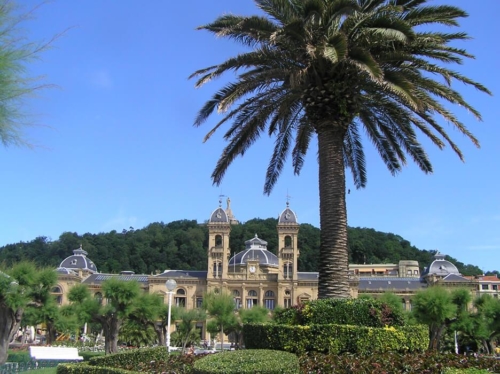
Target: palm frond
442	14
249	31
288	124
302	140
354	156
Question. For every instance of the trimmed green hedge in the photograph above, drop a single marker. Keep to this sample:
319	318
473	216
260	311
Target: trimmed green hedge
87	355
358	312
130	359
84	368
335	339
248	361
18	355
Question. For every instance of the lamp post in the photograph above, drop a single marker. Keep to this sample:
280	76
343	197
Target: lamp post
171	284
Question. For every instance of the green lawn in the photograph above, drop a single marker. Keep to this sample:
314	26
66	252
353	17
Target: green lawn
47	371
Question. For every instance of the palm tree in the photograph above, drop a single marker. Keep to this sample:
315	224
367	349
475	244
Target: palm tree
330	68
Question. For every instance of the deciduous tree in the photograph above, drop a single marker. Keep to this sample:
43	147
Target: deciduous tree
21	286
120	296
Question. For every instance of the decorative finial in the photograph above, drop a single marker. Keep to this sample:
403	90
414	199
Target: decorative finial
256	236
288	197
220	200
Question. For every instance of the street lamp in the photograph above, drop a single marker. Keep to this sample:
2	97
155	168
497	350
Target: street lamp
171	284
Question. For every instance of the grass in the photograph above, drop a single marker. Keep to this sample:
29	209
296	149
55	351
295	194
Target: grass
47	370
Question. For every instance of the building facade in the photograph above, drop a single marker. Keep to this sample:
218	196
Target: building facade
264	276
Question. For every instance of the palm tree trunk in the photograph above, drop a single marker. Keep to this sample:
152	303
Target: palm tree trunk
333	279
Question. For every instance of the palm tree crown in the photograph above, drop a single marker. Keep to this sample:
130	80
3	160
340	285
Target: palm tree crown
331	68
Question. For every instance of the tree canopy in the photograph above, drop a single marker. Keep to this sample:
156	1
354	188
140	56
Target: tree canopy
183	245
23	286
16	84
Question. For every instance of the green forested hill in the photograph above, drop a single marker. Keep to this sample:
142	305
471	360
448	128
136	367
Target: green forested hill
182	245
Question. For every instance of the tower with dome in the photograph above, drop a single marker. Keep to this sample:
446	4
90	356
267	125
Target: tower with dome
259	275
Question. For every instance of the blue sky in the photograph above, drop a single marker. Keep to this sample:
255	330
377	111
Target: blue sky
116	147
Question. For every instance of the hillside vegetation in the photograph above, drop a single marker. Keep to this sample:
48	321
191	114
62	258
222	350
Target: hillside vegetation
183	245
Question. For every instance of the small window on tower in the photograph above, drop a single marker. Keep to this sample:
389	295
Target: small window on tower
218	240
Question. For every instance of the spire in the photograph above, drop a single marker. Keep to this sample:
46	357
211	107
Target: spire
229	212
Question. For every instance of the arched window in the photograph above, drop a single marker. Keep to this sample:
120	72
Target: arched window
288	299
98	297
57	292
218	240
287	270
288	241
404	304
269	302
237	299
217	269
180	298
251	299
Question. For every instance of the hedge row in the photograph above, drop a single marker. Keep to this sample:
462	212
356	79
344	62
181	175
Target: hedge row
248	362
131	360
313	362
383	363
152	360
359	312
336	339
84	368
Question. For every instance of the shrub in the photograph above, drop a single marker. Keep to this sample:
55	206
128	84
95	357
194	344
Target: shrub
359	312
87	355
132	359
248	361
84	368
335	339
388	362
19	355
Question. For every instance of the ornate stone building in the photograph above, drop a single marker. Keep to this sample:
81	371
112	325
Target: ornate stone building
259	275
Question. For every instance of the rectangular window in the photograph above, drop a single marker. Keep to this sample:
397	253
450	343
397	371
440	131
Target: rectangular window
269	304
180	301
495	287
251	303
484	287
288	303
237	303
199	302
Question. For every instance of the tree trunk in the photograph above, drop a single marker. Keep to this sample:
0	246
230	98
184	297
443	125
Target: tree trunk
111	329
221	338
50	336
333	281
160	334
9	325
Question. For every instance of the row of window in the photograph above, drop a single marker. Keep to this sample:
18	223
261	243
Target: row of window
287	270
494	287
288	241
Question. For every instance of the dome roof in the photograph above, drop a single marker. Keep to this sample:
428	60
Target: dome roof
65	271
287	216
79	261
441	267
218	216
256	249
